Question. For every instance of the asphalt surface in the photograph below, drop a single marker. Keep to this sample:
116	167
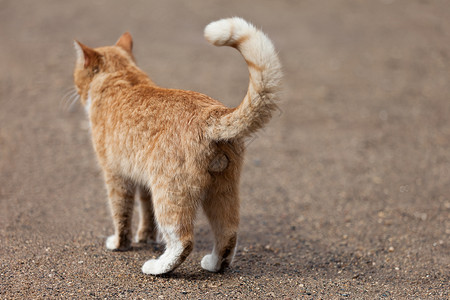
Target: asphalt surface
345	195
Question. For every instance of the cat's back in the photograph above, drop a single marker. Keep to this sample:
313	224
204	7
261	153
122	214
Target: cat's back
181	107
175	98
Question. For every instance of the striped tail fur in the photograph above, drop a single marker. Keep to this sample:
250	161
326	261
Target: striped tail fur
265	76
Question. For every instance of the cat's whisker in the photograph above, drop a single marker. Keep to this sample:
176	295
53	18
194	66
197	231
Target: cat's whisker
68	92
74	100
67	95
63	98
69	99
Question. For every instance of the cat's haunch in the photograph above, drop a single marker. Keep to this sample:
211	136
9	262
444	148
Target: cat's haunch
174	150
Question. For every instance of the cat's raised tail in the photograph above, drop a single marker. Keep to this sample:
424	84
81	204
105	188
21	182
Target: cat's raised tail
265	76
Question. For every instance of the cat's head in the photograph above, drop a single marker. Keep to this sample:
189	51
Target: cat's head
92	62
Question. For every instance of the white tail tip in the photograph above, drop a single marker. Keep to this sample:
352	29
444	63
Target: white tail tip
226	32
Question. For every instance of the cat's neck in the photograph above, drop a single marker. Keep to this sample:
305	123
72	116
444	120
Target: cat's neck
135	76
130	77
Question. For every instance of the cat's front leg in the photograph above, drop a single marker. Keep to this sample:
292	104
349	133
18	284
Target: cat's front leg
121	199
147	230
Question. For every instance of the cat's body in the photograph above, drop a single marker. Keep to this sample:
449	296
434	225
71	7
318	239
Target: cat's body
178	150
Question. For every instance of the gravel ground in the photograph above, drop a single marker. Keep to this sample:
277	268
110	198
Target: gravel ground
345	195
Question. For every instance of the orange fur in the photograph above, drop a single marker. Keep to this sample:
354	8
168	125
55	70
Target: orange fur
180	149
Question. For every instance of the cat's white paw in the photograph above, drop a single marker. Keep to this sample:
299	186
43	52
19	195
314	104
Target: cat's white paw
154	267
210	263
112	243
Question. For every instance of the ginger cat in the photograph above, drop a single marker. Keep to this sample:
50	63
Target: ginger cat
177	150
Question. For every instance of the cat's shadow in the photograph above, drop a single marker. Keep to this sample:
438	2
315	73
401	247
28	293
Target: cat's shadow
152	247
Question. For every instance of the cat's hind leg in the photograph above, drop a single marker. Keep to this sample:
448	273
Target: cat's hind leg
147	230
221	207
121	199
175	214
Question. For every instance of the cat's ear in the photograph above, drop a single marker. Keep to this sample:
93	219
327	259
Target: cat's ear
87	55
125	42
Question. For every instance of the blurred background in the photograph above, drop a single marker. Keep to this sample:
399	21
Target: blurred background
345	194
